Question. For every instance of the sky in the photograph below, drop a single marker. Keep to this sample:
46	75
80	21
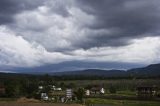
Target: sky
77	34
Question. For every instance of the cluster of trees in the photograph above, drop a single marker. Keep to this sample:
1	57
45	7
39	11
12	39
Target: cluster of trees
27	85
21	87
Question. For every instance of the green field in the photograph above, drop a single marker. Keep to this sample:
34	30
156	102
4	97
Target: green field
122	86
121	102
125	94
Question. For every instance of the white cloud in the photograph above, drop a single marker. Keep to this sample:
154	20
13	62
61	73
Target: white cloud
49	35
15	51
144	51
51	29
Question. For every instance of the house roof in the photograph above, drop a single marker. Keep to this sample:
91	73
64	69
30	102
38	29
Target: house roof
96	88
146	87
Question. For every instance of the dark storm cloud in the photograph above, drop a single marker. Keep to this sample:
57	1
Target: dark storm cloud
60	7
126	19
121	21
8	8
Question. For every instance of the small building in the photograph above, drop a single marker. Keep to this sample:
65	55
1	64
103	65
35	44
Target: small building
146	91
40	87
44	96
69	93
102	91
58	89
87	92
53	86
97	90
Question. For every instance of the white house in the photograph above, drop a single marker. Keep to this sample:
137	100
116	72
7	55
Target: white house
58	89
69	93
53	86
97	89
102	91
40	87
87	92
44	96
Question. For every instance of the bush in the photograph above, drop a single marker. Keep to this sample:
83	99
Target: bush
80	94
112	89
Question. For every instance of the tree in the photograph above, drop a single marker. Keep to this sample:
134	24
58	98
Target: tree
31	89
71	85
62	85
12	88
47	79
112	89
80	94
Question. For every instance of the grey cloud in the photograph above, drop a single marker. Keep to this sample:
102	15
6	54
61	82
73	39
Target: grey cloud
8	8
130	19
62	31
124	19
59	7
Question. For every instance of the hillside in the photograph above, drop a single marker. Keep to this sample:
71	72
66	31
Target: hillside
94	72
151	70
148	71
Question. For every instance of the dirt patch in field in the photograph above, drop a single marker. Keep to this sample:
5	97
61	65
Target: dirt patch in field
36	104
26	100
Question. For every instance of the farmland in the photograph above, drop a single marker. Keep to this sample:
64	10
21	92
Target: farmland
117	91
109	102
125	86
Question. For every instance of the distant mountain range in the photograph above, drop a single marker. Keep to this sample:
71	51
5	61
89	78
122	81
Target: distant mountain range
148	71
93	72
151	70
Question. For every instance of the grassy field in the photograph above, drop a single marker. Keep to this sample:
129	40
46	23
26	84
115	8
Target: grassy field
120	83
125	87
121	102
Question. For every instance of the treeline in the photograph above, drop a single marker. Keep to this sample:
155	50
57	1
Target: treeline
28	85
17	85
87	77
21	85
4	76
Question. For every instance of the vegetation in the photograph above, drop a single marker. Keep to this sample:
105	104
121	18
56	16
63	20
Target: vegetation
121	102
18	86
112	89
80	93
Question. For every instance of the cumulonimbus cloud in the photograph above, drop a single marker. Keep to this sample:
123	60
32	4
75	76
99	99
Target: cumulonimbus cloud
86	30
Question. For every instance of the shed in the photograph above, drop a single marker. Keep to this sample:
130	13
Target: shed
97	89
146	91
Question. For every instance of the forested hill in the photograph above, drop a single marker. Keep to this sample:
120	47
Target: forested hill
149	71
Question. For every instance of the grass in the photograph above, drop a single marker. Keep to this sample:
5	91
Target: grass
122	102
8	99
122	93
119	84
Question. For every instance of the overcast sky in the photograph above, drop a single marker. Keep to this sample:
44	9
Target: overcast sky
36	33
